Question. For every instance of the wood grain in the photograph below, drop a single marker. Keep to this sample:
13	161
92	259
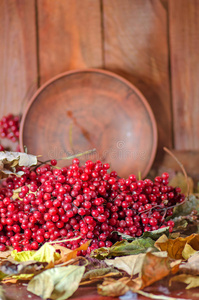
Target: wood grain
184	41
69	36
136	46
18	60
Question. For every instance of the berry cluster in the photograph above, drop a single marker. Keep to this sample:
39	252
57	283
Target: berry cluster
81	201
9	129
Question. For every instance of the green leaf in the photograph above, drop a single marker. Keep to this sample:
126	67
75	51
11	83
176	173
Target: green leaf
191	203
123	247
155	234
46	253
57	283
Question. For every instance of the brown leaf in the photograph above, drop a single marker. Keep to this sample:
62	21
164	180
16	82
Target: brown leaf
191	280
67	254
176	248
112	289
153	269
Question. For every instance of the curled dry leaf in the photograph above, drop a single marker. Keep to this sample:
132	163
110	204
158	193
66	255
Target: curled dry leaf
179	248
9	161
153	269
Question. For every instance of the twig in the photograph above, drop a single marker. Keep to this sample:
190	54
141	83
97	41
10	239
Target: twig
182	168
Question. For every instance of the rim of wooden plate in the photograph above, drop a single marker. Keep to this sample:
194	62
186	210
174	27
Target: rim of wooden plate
107	73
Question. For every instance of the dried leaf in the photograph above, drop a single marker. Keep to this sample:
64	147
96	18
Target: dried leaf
92	263
27	267
57	283
113	289
192	265
191	203
17	191
191	280
131	264
11	160
101	273
154	235
179	180
46	253
67	254
124	248
176	248
153	269
15	278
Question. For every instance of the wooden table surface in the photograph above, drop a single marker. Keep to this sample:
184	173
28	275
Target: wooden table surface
19	292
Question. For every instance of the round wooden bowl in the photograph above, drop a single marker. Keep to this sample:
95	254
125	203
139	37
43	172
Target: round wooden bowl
85	109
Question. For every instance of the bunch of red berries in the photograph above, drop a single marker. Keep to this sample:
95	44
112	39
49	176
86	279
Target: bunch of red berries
81	201
9	127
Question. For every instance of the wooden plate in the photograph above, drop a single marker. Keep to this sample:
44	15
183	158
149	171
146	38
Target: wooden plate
85	109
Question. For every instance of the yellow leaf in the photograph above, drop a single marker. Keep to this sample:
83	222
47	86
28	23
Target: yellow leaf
188	251
46	253
175	247
190	280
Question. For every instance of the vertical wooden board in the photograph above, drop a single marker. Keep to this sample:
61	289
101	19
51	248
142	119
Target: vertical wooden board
136	47
69	36
184	41
18	59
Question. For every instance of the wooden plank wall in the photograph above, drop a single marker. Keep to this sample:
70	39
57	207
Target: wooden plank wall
152	43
